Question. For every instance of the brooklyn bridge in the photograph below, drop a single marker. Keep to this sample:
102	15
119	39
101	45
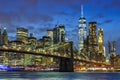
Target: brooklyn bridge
63	54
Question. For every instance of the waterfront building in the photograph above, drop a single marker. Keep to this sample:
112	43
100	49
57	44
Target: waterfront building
43	45
16	59
40	48
22	35
18	45
82	30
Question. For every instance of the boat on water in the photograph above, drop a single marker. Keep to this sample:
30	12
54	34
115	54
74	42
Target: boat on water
8	68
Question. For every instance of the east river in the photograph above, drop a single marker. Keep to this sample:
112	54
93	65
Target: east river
58	76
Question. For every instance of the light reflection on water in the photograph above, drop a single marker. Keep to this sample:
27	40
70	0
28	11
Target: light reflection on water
58	76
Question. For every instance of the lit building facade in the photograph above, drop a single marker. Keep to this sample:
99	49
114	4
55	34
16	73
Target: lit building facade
22	34
30	46
92	37
82	30
43	46
16	59
101	48
28	58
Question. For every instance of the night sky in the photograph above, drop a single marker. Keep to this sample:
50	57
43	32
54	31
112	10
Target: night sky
40	15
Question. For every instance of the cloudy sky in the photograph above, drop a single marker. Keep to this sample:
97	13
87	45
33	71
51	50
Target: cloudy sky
40	15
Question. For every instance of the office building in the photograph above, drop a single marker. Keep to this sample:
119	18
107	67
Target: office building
101	48
59	34
82	30
92	37
22	35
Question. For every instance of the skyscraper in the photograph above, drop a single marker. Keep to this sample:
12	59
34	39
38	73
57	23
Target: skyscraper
22	34
59	34
92	37
82	30
101	41
113	48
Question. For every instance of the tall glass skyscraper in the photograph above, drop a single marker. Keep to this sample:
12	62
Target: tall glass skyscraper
82	30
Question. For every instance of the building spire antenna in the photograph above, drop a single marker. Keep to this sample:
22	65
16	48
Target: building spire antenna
81	10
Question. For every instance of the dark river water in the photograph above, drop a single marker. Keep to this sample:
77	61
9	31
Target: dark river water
58	76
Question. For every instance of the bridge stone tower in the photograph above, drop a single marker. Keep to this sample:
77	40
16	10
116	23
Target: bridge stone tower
66	64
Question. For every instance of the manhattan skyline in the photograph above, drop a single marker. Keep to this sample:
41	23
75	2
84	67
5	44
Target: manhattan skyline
40	15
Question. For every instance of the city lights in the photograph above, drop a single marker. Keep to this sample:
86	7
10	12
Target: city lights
54	52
